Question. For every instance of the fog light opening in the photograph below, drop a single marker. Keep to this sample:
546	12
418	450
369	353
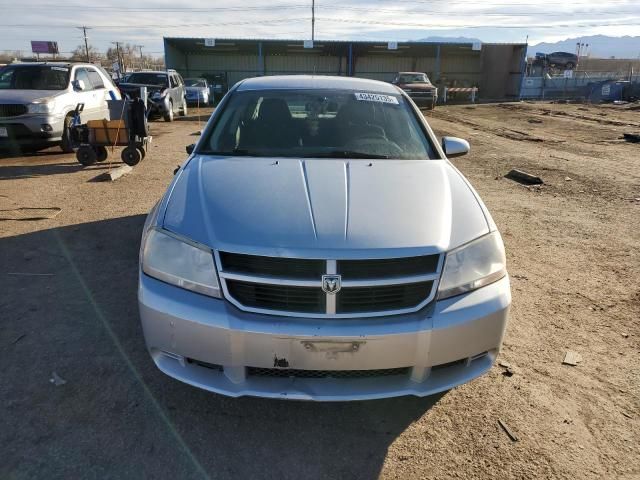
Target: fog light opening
175	356
45	127
475	357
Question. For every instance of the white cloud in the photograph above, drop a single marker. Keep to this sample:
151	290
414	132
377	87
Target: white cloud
147	21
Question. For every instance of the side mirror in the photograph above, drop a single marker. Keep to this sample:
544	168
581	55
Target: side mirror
455	147
191	148
79	85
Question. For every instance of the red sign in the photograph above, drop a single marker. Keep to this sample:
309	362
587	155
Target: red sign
44	47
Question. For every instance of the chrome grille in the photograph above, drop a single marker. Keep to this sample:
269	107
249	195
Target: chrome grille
387	267
272	266
12	110
278	297
292	287
387	297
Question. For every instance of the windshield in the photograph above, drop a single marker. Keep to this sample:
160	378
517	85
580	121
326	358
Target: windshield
148	78
194	82
34	77
318	123
413	78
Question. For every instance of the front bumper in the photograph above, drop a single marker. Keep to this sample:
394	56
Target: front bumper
159	106
210	344
423	97
31	129
196	97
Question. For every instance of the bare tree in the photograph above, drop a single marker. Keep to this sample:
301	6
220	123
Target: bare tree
80	54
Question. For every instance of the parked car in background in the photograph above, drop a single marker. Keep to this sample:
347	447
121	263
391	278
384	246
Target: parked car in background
319	245
563	60
37	101
197	91
419	88
165	92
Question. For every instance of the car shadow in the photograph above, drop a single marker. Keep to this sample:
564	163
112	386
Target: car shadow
194	116
28	170
82	397
17	152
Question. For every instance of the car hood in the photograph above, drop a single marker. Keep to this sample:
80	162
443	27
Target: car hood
27	96
417	86
136	86
196	89
321	207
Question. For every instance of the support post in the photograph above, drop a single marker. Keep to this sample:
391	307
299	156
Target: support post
523	68
260	60
350	65
437	67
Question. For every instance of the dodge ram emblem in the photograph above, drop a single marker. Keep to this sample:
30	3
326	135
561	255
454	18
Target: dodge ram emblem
331	284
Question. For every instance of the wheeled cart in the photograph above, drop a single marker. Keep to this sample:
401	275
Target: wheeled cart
130	131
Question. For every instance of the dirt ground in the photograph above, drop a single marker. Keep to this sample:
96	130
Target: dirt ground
68	305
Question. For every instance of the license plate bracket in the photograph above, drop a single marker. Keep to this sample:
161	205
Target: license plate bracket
4	132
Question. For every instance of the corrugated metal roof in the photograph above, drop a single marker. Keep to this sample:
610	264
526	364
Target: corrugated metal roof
320	40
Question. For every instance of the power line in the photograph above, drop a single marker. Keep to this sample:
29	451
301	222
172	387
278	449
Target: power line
578	24
441	26
160	25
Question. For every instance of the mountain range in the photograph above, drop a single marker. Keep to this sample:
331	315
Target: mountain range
601	46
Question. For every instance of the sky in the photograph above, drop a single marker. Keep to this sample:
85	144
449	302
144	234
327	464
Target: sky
146	22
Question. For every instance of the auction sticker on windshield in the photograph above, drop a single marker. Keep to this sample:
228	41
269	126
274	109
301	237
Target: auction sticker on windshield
376	97
4	132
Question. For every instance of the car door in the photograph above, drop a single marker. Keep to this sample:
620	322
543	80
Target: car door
181	88
87	95
175	91
100	93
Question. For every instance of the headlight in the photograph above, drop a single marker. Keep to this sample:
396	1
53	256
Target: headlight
473	265
157	96
180	263
44	106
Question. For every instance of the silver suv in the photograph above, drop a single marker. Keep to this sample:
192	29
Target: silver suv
165	91
37	101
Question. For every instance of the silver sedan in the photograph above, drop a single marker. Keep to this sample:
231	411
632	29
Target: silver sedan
319	245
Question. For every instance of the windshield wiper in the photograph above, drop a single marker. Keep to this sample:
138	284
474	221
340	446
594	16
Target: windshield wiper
237	152
243	152
345	154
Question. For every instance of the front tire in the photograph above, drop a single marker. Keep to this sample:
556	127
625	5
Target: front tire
66	145
168	116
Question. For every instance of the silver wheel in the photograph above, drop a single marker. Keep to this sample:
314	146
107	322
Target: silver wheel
168	116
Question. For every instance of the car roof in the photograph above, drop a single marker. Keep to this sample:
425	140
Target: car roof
54	64
312	82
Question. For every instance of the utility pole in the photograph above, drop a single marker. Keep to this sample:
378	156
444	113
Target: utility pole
141	56
86	43
313	20
120	72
